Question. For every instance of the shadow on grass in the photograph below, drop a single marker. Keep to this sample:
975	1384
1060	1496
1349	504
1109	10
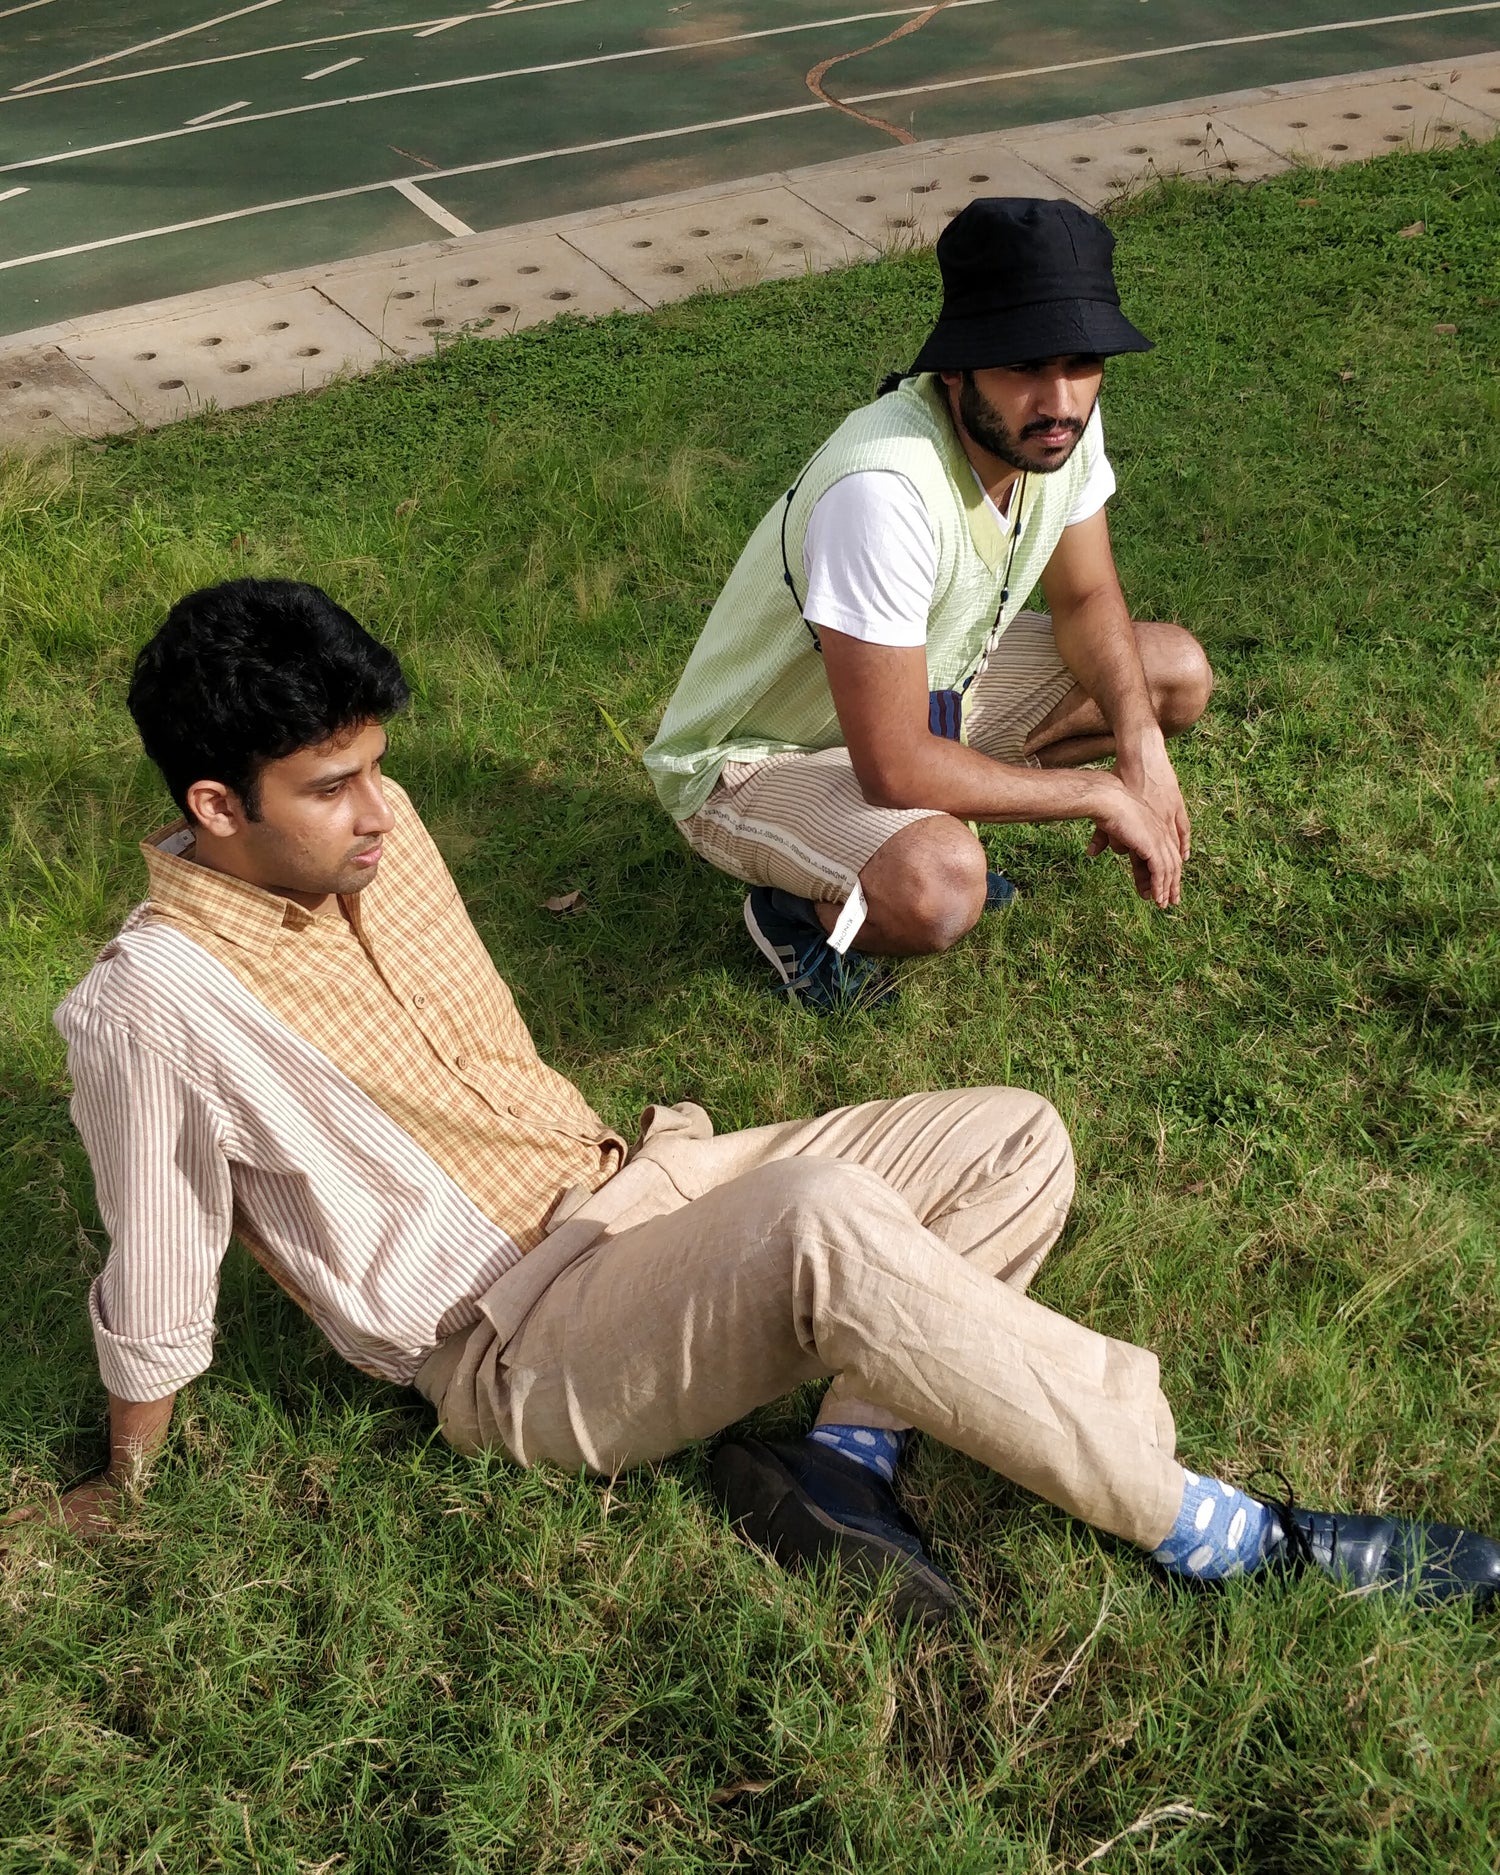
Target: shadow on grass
649	923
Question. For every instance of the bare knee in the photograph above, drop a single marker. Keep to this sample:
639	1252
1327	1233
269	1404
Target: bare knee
1180	676
925	888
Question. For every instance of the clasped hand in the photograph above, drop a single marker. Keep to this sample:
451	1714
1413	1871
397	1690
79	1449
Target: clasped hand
1146	821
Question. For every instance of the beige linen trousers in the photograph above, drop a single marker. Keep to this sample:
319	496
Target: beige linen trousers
887	1244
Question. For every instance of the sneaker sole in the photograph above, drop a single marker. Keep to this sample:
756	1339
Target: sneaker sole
768	1508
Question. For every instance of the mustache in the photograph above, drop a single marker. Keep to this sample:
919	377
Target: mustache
1044	424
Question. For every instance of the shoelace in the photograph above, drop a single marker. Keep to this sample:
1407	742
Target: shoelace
1299	1549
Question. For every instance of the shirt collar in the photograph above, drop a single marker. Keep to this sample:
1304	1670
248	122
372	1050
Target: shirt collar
235	910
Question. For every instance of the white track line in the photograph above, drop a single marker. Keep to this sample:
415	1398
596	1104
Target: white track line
433	175
6	194
1163	52
765	32
207	117
487	78
30	6
327	71
682	130
443	25
371	32
434	211
183	32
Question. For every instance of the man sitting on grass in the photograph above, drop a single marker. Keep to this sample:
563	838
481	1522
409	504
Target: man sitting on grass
867	682
299	1037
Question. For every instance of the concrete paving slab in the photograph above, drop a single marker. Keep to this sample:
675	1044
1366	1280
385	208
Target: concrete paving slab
768	234
1476	84
907	198
1358	121
253	347
1099	164
491	281
45	399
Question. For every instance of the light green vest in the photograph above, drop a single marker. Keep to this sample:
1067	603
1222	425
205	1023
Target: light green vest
755	685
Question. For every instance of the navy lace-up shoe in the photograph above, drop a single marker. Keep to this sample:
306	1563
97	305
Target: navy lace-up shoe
999	893
790	937
1430	1562
807	1503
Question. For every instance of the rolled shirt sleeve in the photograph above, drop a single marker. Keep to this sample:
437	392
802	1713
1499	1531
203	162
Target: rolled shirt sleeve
162	1180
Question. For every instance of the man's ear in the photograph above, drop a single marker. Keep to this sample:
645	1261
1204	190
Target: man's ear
216	809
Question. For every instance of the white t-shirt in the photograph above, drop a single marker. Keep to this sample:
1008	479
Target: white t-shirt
871	559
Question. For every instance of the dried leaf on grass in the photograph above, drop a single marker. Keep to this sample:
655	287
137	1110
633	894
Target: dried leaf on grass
563	902
1416	227
746	1787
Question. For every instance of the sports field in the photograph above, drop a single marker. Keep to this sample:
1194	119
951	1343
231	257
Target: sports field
147	149
325	1645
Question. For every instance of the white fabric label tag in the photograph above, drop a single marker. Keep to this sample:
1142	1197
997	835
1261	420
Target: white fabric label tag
850	919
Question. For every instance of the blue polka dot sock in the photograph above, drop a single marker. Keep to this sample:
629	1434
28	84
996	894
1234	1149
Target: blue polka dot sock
874	1447
1219	1532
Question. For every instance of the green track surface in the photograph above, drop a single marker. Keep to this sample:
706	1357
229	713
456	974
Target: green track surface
499	118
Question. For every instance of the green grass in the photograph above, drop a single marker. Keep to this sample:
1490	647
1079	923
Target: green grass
324	1642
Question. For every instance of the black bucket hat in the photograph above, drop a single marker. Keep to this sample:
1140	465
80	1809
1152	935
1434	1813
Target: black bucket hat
1025	278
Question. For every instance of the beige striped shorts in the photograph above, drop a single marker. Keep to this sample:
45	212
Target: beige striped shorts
802	822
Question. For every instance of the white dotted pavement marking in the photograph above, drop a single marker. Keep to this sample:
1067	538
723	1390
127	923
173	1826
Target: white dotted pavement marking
291	332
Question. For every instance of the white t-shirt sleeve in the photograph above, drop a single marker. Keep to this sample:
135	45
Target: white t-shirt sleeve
1101	479
870	560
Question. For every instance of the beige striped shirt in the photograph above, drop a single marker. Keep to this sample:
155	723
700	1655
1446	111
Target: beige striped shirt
353	1091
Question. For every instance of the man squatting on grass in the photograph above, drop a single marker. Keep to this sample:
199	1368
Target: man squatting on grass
867	682
300	1037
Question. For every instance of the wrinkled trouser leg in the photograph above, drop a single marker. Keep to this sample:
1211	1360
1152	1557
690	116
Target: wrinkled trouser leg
802	1266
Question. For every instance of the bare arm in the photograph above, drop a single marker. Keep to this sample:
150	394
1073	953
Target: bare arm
137	1432
880	693
1091	624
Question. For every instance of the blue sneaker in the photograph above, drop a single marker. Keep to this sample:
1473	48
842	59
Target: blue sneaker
999	893
789	936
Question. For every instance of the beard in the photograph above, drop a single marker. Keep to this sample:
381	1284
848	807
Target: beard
990	430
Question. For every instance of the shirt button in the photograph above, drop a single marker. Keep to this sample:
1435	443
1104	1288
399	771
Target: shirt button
460	1062
419	1001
